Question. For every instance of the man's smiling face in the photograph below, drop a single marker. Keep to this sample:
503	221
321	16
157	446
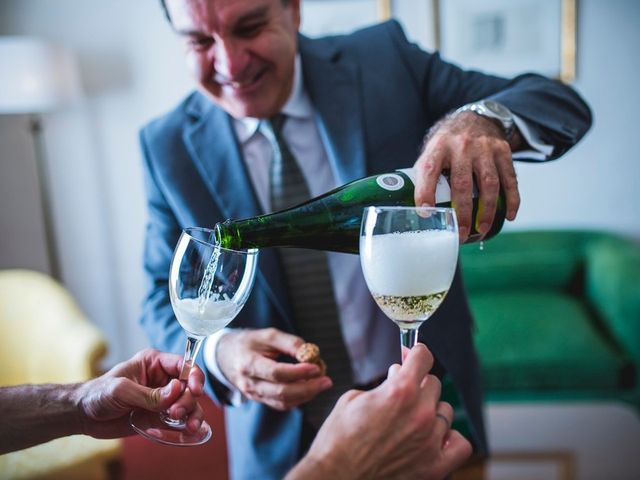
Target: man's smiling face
241	52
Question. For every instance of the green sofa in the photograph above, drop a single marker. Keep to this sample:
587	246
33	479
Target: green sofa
557	315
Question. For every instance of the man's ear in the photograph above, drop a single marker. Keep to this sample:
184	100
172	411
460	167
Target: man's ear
294	5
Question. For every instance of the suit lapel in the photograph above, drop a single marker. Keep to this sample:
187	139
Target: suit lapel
216	154
212	144
332	85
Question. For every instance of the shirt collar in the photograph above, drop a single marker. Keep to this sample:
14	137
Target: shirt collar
297	105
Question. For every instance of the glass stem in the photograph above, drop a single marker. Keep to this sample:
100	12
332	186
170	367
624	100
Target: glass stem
190	352
408	337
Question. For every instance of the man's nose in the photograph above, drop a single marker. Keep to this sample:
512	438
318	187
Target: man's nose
231	59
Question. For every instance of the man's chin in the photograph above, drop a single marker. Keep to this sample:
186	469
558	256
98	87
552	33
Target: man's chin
244	107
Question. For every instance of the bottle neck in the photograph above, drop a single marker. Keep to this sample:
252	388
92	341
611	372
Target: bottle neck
218	234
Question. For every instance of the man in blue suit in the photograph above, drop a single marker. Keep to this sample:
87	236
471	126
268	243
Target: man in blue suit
354	105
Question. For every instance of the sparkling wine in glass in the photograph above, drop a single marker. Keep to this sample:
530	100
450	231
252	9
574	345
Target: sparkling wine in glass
208	286
408	257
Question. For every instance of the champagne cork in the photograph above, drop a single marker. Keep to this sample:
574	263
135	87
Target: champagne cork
310	353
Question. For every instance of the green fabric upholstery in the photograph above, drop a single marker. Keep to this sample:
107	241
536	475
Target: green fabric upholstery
551	343
557	314
613	286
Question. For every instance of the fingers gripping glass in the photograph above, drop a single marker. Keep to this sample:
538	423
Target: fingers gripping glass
208	286
409	257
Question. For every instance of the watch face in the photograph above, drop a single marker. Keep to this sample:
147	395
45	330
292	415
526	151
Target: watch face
498	109
493	110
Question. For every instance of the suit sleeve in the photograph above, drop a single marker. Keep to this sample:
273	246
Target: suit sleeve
557	113
162	233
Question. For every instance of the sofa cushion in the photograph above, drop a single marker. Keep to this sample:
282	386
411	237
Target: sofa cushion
551	343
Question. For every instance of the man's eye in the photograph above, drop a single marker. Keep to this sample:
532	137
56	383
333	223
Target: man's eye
200	43
250	30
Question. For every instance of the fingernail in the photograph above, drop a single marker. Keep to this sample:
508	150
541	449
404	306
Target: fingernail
166	390
326	383
194	425
484	227
180	412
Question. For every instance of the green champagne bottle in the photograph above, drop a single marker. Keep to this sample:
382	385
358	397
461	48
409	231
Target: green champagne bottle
332	220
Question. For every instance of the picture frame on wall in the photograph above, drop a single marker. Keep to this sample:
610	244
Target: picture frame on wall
505	37
534	465
508	37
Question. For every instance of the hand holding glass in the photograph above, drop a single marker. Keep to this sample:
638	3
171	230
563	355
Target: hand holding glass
208	286
409	257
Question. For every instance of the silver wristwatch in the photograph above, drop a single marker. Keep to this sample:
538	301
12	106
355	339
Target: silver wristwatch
494	111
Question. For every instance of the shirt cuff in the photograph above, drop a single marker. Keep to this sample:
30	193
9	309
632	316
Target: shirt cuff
234	396
539	150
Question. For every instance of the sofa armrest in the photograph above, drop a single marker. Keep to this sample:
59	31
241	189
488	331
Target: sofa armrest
613	286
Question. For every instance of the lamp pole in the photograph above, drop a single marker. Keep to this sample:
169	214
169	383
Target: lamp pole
36	77
42	173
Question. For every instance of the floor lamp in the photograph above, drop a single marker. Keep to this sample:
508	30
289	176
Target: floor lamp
38	77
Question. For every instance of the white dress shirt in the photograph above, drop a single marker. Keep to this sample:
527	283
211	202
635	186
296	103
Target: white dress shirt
357	310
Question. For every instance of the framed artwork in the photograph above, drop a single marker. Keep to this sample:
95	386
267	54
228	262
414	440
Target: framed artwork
532	466
505	37
508	37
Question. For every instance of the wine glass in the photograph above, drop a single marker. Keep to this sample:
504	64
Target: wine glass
408	257
208	286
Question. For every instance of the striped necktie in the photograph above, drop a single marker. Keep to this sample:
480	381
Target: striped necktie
314	308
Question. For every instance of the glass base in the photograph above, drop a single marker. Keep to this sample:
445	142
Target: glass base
151	425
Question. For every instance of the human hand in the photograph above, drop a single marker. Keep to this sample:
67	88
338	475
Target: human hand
146	381
402	421
468	145
247	358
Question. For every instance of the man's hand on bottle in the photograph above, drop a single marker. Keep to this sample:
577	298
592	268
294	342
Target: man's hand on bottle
249	360
468	145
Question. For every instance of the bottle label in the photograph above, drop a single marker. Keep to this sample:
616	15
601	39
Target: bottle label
390	181
443	190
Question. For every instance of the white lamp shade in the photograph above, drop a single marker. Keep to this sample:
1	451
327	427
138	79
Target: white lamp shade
35	76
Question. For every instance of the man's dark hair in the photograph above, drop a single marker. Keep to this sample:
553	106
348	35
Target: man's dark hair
164	9
163	4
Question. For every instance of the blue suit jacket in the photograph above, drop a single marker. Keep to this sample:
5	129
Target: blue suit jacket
375	95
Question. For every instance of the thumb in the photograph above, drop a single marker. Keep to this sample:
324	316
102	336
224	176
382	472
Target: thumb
279	340
456	450
154	399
